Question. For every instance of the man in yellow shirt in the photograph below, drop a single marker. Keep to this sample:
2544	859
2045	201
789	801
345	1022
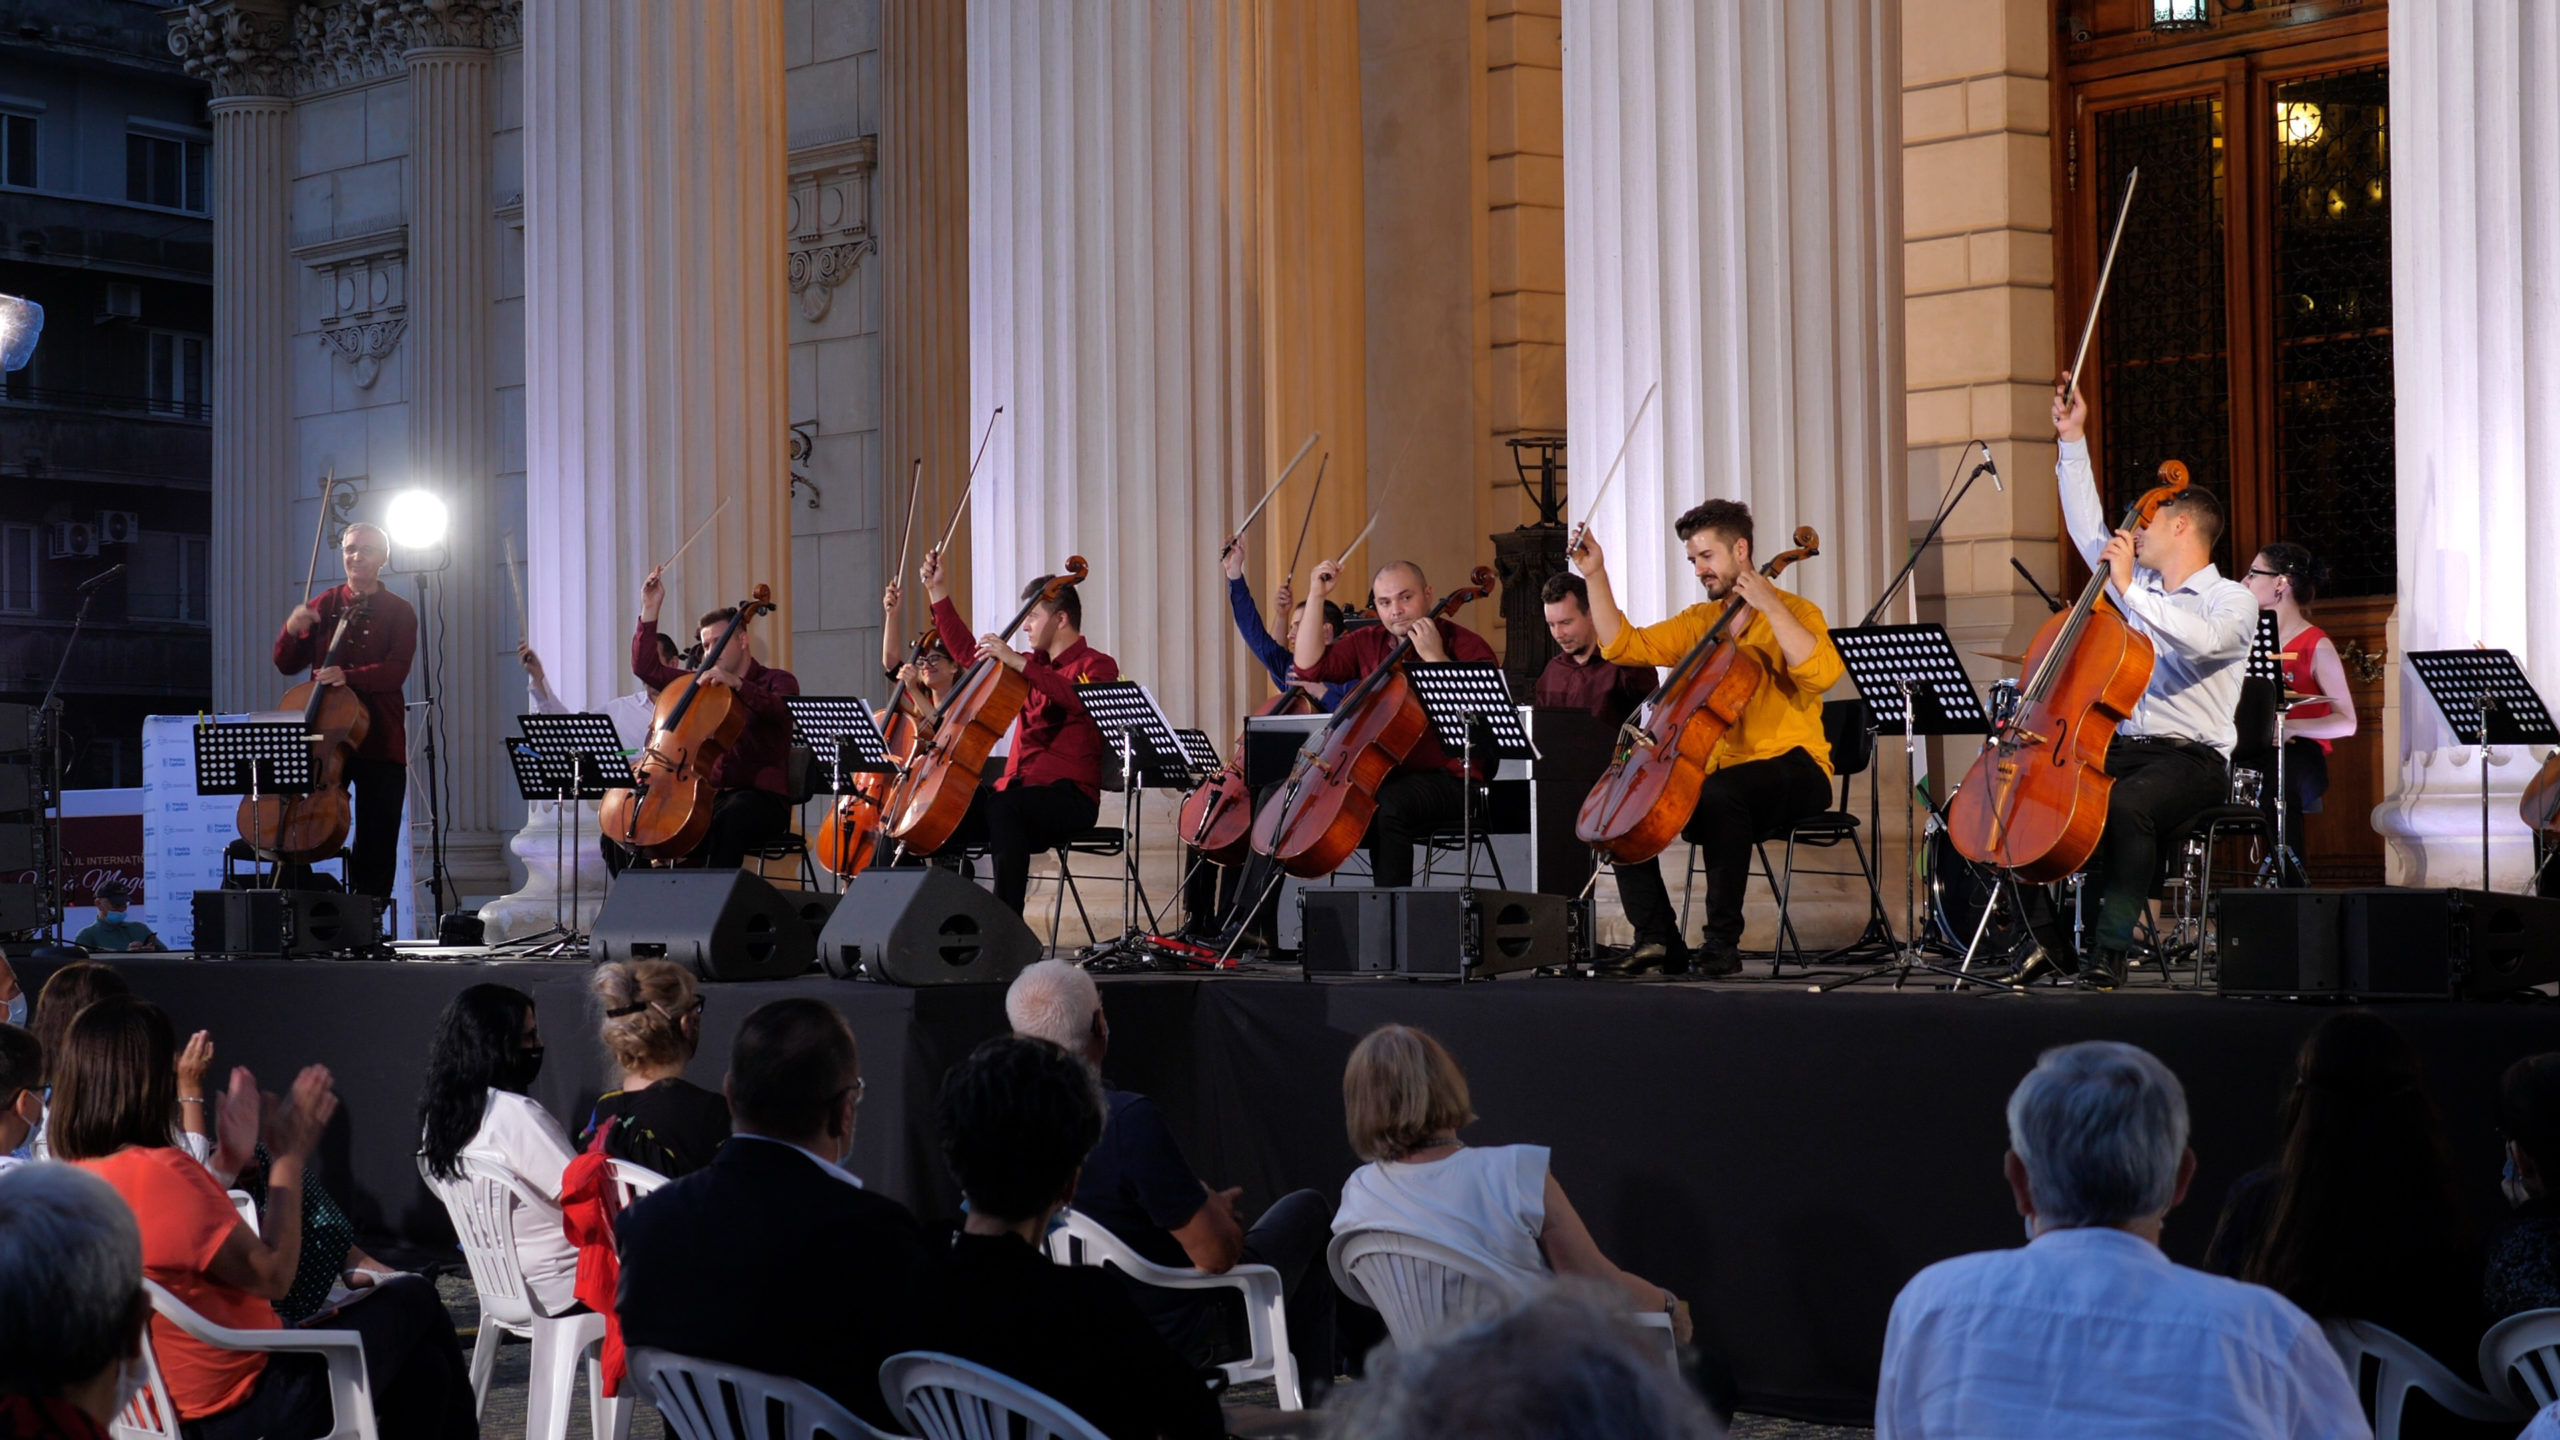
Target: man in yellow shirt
1773	767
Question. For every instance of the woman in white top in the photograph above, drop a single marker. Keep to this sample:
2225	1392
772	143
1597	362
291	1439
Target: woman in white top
1405	1099
487	1051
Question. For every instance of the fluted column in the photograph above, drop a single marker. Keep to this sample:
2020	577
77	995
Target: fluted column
1731	231
240	50
450	273
2475	236
1113	229
923	199
656	380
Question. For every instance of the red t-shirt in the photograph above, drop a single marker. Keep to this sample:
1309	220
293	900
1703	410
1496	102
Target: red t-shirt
185	1218
2300	678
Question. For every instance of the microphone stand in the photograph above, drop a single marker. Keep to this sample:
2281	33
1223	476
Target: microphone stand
1922	546
51	712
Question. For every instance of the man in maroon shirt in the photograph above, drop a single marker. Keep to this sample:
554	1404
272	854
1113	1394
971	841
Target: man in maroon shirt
1578	679
752	807
1427	792
1052	782
373	661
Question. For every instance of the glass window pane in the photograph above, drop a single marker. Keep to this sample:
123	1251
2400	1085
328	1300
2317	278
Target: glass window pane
137	169
152	588
195	175
18	150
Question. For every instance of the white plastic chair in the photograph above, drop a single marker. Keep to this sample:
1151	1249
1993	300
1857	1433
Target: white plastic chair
706	1400
1083	1240
948	1398
150	1416
2400	1367
483	1205
2525	1346
630	1182
248	1209
1424	1289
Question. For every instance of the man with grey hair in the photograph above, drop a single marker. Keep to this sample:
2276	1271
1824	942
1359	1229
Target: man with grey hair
1137	1185
361	636
72	1307
2089	1330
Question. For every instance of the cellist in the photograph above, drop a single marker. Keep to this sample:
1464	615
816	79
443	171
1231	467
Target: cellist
1427	792
1052	782
2171	756
929	671
1773	767
374	663
753	806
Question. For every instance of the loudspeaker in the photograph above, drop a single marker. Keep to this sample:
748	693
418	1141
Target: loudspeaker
22	908
816	907
21	788
721	924
924	926
22	846
286	924
2278	942
18	729
1433	930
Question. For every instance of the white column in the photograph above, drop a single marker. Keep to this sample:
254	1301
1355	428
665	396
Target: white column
2475	237
1112	237
240	50
923	196
1732	230
656	363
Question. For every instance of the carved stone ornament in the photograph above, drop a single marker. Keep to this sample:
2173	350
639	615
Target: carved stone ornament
470	24
343	44
365	345
237	47
829	220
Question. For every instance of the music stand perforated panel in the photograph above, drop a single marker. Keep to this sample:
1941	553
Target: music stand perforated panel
582	754
1881	657
1125	705
838	730
254	757
2459	680
1454	693
1198	748
2263	664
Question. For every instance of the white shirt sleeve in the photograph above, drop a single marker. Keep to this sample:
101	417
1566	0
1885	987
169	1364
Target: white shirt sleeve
544	702
2326	1403
2223	632
2084	515
2545	1426
522	1133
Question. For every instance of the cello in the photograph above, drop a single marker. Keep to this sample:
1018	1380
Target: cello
932	797
1323	811
851	837
308	828
1646	796
2035	801
667	810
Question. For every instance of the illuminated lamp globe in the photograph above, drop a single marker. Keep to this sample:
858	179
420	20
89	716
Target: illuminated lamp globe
416	520
21	321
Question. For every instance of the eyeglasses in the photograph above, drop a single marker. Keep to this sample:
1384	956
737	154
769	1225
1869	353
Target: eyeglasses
2254	572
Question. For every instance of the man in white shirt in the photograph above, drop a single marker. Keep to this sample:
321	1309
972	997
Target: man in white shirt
2088	1330
2171	756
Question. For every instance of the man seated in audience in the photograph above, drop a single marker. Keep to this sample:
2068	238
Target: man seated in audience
1138	1186
2523	1267
1566	1365
1019	1115
72	1307
21	1091
111	931
2089	1330
773	1256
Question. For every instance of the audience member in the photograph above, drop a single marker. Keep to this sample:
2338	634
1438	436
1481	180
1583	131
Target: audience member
1137	1185
485	1055
1565	1365
2357	1219
114	1108
1404	1100
72	1305
12	996
773	1256
66	993
652	1027
2522	1270
21	1092
111	932
1019	1115
2089	1330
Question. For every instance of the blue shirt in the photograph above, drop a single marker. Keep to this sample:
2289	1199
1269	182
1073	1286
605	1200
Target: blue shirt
1274	656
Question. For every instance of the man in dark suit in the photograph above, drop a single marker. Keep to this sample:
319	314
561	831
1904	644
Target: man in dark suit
774	1257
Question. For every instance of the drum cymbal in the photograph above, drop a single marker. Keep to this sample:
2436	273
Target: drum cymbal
2002	655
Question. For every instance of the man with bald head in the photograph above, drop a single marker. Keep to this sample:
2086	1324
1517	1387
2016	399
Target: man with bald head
372	660
1427	792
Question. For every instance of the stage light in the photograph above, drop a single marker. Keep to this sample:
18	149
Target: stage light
21	321
416	520
2177	14
2299	122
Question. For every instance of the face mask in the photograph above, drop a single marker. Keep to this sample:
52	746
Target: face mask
2028	1223
18	1009
528	1064
2512	1183
112	917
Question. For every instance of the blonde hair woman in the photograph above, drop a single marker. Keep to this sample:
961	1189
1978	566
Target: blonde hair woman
1404	1100
652	1029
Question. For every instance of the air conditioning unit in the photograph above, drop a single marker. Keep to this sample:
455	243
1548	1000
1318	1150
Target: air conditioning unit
118	527
72	540
122	301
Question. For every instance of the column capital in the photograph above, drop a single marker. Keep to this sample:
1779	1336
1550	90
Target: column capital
239	47
456	24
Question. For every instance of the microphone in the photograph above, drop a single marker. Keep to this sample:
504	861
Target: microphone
94	581
1987	465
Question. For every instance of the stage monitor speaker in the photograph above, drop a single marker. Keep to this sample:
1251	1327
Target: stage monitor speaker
1433	930
22	909
721	924
286	924
816	907
923	925
21	846
2447	944
21	789
18	729
2278	942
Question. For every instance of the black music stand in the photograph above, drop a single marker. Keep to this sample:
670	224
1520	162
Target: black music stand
2265	667
1151	757
2486	701
1913	681
254	759
2263	661
568	760
843	741
1464	702
1200	751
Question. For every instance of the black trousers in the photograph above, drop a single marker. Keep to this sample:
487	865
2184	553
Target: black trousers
1214	896
1019	822
2160	785
412	1359
2306	780
1647	902
741	820
380	791
1209	1328
1736	806
1412	806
